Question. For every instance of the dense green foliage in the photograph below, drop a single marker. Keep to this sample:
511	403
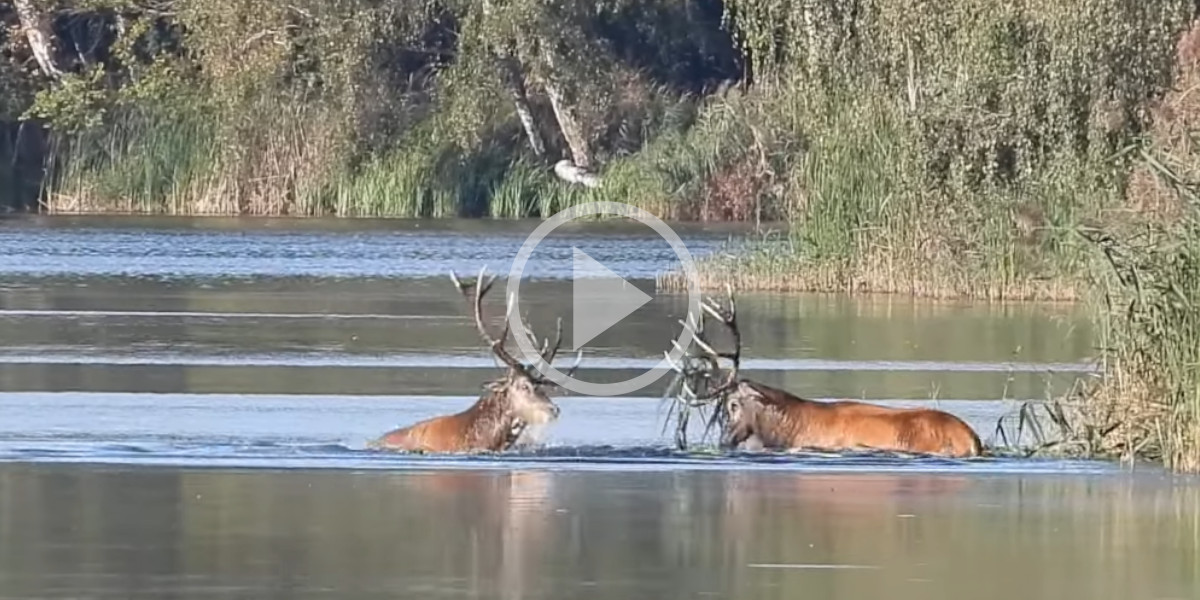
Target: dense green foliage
950	148
354	107
963	110
939	147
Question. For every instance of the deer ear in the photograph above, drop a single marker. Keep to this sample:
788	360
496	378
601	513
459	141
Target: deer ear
745	388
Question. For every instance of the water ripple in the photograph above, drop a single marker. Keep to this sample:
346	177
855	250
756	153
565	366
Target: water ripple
554	458
195	253
46	354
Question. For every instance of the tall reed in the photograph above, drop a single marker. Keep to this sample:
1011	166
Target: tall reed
1147	404
140	163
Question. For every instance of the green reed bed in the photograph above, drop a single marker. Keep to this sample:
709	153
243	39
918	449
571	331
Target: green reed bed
1144	296
140	163
274	159
867	217
1146	404
954	162
419	179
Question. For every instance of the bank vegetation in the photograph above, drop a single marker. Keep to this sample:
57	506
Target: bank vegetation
931	147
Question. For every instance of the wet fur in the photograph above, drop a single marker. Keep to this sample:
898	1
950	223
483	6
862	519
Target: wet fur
783	421
491	424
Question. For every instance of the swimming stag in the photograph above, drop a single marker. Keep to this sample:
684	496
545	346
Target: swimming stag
502	415
779	420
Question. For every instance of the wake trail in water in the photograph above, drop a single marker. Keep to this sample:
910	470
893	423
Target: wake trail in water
215	453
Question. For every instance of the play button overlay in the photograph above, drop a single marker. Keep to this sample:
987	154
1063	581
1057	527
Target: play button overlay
599	299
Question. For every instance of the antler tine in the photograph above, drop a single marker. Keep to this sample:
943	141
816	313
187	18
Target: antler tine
481	288
737	335
498	346
709	354
575	365
462	287
698	338
534	340
558	331
729	319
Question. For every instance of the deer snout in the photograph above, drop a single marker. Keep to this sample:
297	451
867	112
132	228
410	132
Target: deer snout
540	413
733	434
552	411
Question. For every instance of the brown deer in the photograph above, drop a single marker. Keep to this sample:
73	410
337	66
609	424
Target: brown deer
776	419
503	415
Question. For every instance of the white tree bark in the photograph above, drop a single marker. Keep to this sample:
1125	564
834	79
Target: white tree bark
568	124
513	73
37	31
515	82
912	77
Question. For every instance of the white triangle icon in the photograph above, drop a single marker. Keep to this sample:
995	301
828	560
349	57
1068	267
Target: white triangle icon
600	298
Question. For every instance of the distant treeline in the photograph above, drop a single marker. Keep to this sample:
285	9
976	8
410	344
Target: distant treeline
745	109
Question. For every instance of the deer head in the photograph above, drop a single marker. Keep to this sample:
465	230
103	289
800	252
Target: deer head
743	406
522	388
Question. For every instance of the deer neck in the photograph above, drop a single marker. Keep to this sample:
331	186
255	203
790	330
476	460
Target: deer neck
492	422
780	418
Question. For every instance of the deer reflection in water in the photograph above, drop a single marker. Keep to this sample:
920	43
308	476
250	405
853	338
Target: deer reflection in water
505	522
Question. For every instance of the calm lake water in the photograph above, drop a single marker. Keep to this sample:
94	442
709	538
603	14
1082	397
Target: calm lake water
186	401
112	532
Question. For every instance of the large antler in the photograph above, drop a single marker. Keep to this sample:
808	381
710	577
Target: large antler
691	388
548	352
727	317
496	343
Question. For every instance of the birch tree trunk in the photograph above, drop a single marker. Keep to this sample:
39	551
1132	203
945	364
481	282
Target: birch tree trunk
514	80
572	131
513	76
37	32
580	152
